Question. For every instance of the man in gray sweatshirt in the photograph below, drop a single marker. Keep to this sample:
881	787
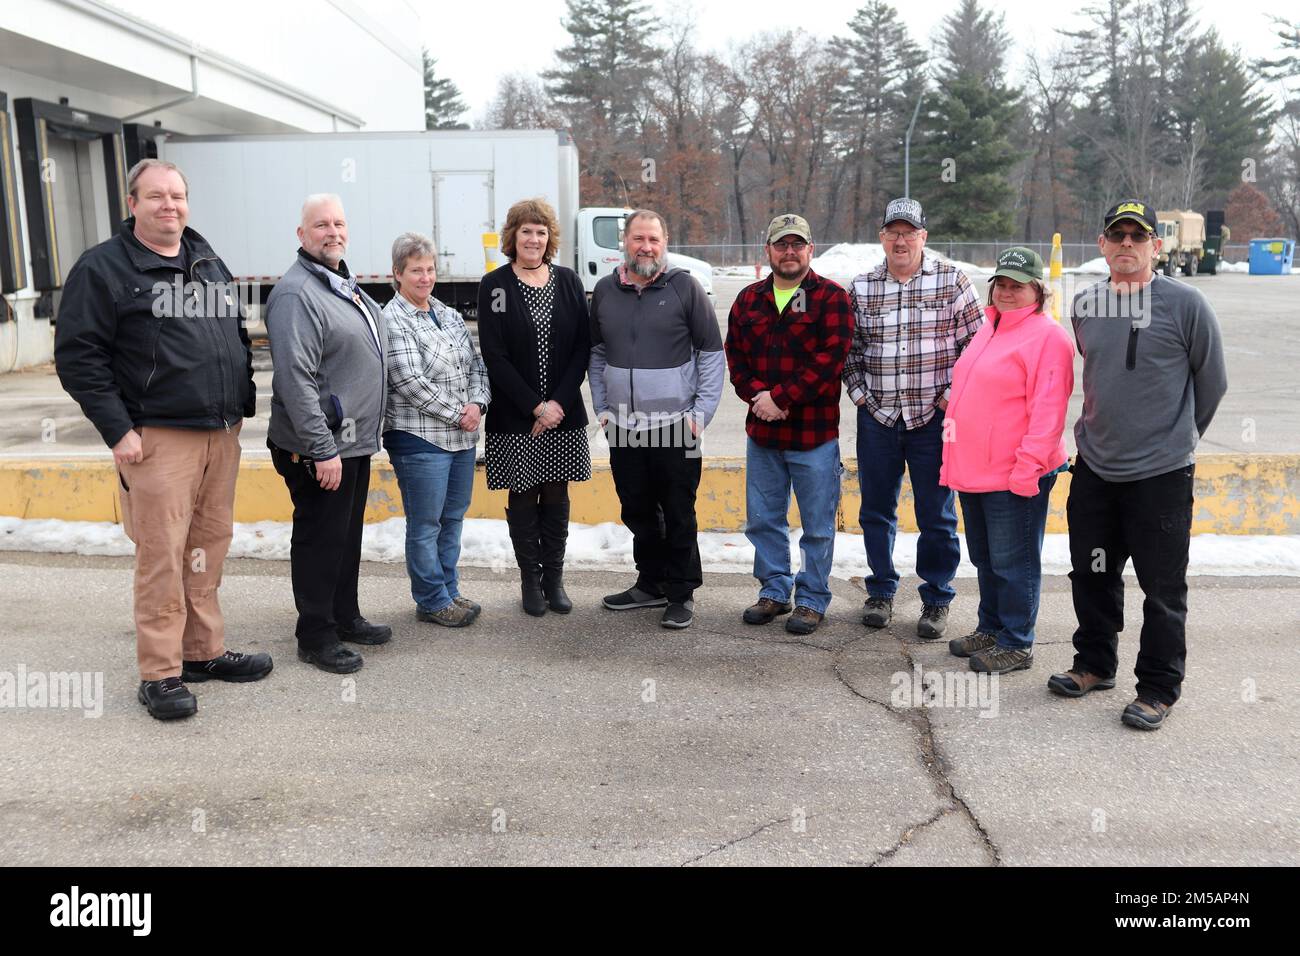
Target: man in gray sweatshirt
656	374
328	348
1153	376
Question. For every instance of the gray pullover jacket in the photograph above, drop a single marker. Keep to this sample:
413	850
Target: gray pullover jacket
1153	376
328	390
656	354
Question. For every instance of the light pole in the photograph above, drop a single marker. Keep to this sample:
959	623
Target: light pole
907	149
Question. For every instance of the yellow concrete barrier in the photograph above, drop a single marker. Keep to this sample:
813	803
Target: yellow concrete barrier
1235	494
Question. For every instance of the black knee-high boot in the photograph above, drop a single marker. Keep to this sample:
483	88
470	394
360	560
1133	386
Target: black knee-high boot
523	519
555	534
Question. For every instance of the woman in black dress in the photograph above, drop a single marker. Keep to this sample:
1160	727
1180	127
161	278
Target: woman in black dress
535	340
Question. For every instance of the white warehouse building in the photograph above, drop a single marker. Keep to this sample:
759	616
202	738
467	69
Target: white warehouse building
85	86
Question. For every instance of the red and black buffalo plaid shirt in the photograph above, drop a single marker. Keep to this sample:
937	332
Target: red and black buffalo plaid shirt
797	355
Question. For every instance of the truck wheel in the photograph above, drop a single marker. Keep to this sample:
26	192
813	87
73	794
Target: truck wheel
1189	265
1168	267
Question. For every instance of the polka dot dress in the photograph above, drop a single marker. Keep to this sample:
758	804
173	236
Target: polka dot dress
520	462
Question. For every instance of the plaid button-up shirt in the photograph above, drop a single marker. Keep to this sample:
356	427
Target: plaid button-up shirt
797	355
908	337
433	373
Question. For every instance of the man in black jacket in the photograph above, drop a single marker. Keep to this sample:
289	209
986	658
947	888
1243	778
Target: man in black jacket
150	343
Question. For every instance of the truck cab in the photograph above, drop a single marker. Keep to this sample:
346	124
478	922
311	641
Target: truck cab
599	250
1182	241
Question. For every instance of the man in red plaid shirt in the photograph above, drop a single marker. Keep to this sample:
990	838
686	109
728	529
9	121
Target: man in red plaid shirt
787	338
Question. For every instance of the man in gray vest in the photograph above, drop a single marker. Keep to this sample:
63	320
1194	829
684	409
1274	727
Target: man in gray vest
328	347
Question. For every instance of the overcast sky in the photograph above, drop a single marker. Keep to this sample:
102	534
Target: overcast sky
476	43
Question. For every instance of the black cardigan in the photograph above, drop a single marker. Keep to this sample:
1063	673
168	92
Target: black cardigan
508	341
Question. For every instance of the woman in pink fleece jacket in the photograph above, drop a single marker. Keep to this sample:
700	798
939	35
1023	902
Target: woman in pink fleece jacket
1003	447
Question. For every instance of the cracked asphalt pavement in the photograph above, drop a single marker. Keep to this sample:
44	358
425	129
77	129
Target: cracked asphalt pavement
601	738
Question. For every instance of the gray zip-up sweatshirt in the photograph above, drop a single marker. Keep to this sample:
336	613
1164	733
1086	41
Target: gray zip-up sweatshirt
656	352
328	389
1153	376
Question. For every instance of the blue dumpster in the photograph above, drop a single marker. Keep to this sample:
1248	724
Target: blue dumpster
1271	257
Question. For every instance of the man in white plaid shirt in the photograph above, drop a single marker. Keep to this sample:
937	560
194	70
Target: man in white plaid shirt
914	315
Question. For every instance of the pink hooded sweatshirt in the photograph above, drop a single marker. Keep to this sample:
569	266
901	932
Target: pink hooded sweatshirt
1005	422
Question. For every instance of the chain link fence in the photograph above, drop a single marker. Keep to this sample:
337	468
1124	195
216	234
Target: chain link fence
1073	254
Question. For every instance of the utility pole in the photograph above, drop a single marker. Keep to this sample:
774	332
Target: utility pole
907	150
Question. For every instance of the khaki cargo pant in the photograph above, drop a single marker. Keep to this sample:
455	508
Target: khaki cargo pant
178	507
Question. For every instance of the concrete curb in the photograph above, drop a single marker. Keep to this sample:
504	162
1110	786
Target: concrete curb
1235	494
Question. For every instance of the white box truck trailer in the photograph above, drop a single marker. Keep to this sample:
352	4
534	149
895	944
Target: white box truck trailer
455	186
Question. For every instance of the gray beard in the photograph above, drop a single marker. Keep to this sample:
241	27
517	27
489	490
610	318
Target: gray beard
646	268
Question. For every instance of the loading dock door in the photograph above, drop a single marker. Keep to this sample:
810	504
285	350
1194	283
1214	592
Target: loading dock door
76	223
74	184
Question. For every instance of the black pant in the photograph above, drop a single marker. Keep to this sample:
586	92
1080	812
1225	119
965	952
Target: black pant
325	553
656	487
1151	521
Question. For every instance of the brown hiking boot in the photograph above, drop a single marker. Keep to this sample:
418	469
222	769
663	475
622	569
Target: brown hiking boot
765	611
1002	660
453	615
972	643
1078	683
1145	714
804	620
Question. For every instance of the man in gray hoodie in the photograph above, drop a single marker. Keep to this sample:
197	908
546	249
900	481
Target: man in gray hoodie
656	373
328	348
1153	376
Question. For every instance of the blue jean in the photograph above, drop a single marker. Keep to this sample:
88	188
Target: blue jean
883	450
436	488
814	474
1004	537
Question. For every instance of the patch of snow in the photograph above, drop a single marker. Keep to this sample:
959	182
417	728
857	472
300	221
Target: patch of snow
739	272
845	260
1091	267
1225	266
485	543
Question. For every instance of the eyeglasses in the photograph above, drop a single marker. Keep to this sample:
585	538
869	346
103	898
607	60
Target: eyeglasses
1117	236
798	245
892	236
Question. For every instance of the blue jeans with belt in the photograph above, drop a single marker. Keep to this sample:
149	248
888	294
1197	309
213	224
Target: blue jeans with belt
436	487
883	450
1004	537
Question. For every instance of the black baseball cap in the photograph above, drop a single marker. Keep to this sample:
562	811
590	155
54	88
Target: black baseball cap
1134	209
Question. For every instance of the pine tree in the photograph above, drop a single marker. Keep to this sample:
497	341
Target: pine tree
962	174
1128	139
1221	106
442	102
601	85
974	41
873	106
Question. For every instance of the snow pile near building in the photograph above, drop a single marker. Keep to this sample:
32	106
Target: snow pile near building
485	543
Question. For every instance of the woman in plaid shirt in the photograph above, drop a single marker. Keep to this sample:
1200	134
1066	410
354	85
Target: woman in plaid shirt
438	392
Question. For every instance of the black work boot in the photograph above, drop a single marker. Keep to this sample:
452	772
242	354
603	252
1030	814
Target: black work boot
525	534
555	533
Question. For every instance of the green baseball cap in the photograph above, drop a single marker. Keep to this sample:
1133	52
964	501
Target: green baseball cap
788	224
1019	263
